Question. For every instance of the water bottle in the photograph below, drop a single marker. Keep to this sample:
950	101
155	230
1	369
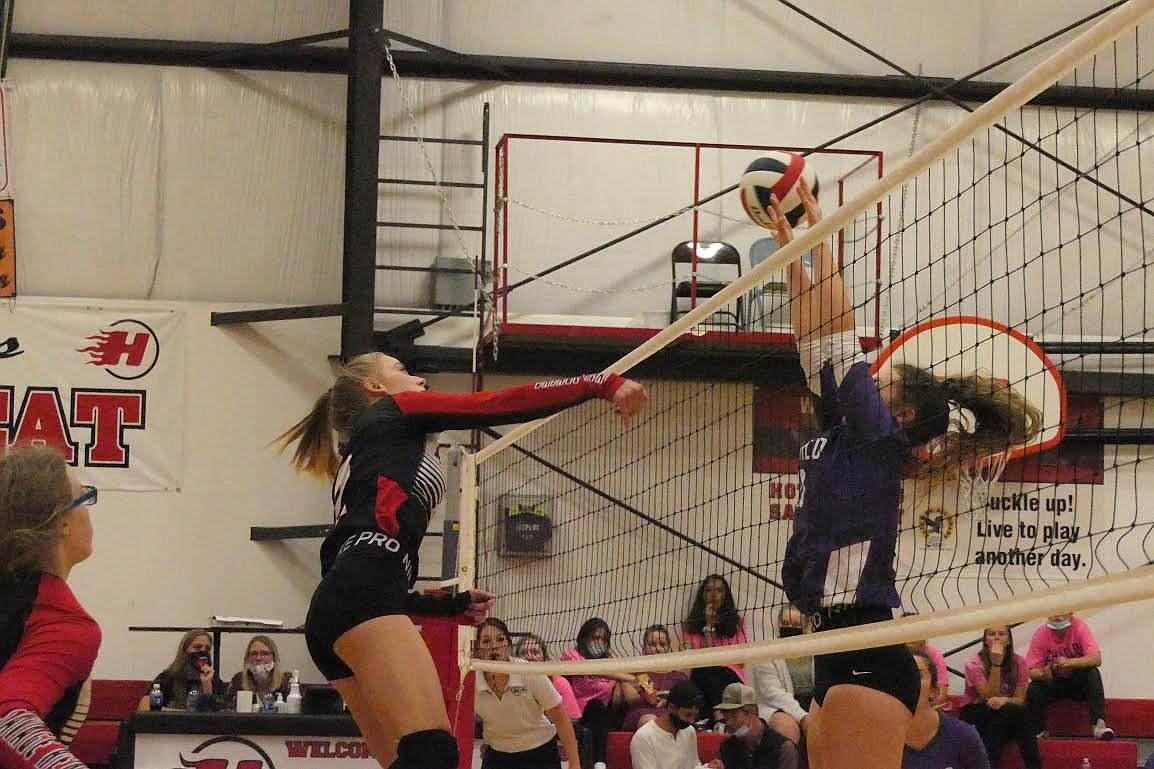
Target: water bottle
192	701
155	698
280	706
269	703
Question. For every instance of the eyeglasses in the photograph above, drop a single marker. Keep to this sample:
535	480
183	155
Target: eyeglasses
255	653
87	497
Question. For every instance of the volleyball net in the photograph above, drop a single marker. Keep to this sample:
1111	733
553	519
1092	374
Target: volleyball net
1036	218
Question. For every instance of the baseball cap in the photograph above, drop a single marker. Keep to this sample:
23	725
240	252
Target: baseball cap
737	696
685	694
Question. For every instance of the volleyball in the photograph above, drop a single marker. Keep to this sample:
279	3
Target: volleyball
777	173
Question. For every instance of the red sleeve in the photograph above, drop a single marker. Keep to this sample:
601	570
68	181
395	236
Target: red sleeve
26	743
460	411
56	652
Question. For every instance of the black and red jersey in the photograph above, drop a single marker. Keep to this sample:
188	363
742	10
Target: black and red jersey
48	645
390	479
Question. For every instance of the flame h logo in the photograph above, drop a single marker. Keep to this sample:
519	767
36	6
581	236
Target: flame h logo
128	350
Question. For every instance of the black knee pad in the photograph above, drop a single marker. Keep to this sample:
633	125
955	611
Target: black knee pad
428	749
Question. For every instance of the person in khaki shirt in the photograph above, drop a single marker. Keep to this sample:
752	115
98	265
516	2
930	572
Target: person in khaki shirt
522	715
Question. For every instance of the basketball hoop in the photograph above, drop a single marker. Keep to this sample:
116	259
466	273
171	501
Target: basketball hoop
975	479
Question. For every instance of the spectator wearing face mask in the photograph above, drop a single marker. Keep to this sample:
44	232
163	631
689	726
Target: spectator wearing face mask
1063	660
190	668
784	687
262	672
752	744
603	698
652	686
670	741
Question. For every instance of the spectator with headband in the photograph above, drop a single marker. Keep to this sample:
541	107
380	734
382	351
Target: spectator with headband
1063	660
48	642
752	744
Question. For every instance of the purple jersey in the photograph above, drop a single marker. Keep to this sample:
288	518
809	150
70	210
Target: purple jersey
957	745
848	506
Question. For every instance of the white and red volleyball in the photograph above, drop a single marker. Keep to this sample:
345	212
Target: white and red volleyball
776	174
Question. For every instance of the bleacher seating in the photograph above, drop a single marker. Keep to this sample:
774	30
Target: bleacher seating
112	703
1068	744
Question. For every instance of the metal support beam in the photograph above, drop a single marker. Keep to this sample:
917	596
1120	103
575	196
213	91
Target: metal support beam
421	64
277	313
362	151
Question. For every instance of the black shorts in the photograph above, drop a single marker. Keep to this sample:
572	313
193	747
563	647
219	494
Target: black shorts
545	756
889	669
355	590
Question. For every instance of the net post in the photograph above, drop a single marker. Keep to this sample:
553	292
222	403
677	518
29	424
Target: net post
466	546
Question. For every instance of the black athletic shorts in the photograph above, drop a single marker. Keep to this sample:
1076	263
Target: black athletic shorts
355	590
889	669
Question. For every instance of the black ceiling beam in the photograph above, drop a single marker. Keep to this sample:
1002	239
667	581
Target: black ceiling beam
420	64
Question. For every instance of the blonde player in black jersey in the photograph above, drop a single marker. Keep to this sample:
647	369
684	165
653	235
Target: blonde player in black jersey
386	482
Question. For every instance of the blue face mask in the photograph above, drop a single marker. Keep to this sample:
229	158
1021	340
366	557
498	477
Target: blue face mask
741	731
595	650
1060	626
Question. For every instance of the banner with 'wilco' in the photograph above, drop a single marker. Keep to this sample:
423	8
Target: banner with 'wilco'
102	384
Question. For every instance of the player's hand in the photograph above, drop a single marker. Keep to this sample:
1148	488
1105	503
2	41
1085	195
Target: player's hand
206	678
812	207
996	703
629	399
480	602
781	229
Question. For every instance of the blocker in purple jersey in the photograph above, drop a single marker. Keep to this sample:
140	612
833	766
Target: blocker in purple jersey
776	174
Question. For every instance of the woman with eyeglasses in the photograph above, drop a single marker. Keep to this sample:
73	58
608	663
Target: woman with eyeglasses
261	672
522	714
48	642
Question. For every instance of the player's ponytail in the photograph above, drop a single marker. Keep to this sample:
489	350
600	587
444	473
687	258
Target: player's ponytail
337	410
313	436
999	416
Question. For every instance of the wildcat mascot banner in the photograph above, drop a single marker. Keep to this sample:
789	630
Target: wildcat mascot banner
103	384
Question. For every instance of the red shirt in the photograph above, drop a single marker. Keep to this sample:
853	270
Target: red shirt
56	651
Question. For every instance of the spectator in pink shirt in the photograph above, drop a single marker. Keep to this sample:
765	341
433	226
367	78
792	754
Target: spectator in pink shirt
602	698
532	648
995	698
714	621
1063	660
